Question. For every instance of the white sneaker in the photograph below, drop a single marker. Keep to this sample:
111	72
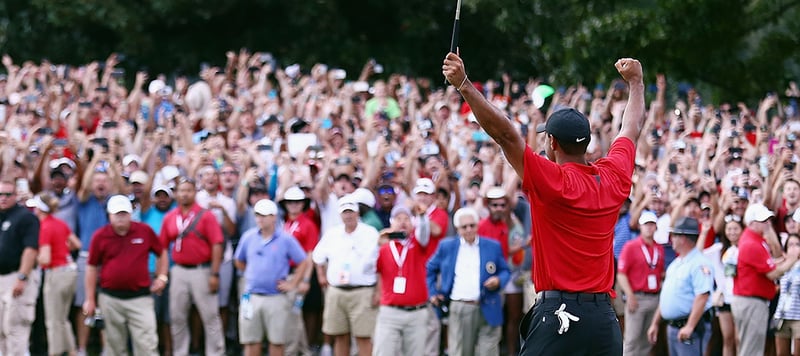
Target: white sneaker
326	350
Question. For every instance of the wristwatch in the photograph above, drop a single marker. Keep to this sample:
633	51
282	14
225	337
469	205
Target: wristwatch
163	278
22	277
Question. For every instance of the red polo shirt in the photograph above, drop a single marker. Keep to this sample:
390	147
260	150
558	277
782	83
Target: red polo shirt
633	263
413	270
304	230
440	217
54	233
192	249
574	208
124	258
754	263
495	230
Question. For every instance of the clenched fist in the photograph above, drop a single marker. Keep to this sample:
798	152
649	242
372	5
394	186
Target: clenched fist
630	69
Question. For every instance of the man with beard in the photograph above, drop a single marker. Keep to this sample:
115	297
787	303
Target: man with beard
197	253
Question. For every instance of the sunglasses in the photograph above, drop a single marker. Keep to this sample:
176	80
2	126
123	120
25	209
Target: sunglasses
468	226
498	205
386	191
232	173
6	194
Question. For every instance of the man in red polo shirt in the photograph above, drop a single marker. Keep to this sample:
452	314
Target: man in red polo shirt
639	274
574	207
123	248
400	328
754	282
424	194
196	239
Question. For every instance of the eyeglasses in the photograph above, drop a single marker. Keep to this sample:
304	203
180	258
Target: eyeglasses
469	226
731	217
6	194
186	180
232	173
498	205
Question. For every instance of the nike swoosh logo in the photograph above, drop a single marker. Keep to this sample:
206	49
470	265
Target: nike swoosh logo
580	139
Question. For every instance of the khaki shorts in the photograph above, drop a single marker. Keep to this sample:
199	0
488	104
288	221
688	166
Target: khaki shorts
349	312
789	329
270	317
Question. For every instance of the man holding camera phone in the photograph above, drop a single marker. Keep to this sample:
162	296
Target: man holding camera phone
400	328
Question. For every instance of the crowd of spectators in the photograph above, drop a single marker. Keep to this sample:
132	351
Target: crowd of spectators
253	129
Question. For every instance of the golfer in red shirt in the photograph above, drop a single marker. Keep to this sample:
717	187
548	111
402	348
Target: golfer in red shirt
574	207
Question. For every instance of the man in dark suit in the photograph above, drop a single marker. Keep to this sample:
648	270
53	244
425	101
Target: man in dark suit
472	271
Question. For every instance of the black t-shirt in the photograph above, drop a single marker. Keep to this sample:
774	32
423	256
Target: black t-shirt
19	229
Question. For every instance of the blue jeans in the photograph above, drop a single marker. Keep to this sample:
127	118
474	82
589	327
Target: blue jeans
694	346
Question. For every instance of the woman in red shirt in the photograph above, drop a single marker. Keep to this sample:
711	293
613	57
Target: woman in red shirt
55	242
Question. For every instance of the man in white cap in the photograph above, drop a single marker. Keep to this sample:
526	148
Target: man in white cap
131	163
139	189
161	201
424	196
122	248
265	254
754	282
345	260
639	270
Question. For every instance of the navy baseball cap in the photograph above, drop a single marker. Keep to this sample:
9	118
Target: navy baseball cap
567	125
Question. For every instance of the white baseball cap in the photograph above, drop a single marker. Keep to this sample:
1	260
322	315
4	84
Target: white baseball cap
37	202
162	188
347	203
364	196
757	212
140	177
495	193
647	217
119	204
265	207
424	185
128	159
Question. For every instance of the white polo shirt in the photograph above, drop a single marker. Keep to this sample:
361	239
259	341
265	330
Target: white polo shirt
351	258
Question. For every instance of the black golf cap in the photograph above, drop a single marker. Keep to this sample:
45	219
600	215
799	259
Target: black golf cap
567	125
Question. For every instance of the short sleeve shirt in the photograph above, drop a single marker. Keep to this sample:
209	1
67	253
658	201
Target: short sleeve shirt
124	258
575	208
687	277
752	267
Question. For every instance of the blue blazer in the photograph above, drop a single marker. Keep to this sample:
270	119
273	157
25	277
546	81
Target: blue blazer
443	262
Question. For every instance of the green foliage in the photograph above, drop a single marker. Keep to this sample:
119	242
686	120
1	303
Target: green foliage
732	48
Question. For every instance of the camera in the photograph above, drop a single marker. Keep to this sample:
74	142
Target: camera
110	125
397	235
96	321
44	131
